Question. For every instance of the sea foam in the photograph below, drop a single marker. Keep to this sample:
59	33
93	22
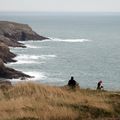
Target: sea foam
28	59
69	40
31	46
47	56
57	40
33	57
36	75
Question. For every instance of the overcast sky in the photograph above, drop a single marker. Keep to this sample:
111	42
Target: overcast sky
61	5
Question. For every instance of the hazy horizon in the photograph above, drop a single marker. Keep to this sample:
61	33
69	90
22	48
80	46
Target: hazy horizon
60	6
56	13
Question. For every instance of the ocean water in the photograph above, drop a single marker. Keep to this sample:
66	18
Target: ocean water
83	45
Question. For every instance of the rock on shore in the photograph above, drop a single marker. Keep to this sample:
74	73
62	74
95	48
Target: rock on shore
9	73
5	57
5	53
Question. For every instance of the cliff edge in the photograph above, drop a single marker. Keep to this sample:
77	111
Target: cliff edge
5	53
9	73
11	33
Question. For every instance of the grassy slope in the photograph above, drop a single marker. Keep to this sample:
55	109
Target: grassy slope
30	101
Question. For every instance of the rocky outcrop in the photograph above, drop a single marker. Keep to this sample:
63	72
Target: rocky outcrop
9	73
5	53
7	56
11	33
10	42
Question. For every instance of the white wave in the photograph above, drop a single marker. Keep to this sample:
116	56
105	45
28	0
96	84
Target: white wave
66	40
36	75
69	40
31	46
33	41
59	40
28	59
26	62
47	56
33	57
47	40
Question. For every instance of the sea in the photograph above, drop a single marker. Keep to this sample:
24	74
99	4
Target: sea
83	45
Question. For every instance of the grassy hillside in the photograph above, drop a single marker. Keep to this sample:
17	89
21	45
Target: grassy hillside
30	101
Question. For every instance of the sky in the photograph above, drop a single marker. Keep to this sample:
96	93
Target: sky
60	5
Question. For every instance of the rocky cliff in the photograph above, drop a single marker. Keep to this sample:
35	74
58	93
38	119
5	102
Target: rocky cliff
11	33
10	42
5	53
5	57
9	73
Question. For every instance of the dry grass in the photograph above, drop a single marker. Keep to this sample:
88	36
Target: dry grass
30	101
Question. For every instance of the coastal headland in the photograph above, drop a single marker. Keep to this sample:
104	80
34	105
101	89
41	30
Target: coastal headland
10	35
32	101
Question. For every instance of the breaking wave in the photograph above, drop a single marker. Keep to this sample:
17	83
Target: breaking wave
31	46
33	57
69	40
47	56
57	40
28	59
36	76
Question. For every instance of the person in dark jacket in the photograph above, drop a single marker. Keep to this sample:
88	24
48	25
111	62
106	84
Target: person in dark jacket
99	85
72	82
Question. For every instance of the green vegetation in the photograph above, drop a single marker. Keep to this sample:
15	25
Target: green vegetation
30	101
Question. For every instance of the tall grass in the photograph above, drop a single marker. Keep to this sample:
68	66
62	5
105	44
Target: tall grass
30	101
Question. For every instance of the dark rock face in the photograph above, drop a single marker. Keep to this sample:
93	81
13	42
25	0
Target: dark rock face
5	53
7	56
11	33
9	73
10	42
